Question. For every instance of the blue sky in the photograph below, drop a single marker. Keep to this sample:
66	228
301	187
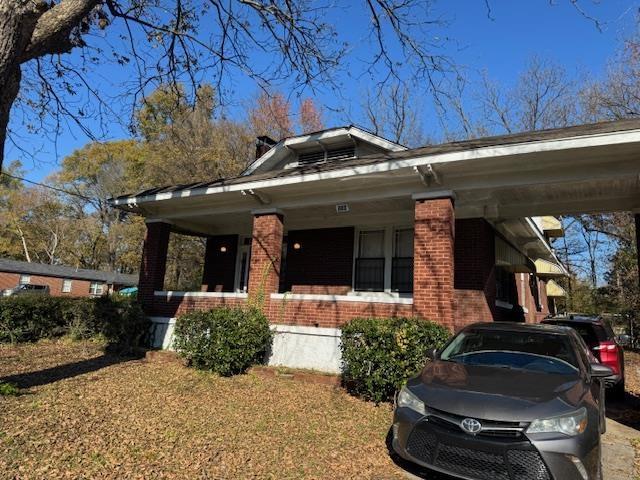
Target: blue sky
501	45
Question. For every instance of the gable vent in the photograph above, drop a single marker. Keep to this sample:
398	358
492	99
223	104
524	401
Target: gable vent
323	156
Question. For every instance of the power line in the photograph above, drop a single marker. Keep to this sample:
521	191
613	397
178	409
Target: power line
61	190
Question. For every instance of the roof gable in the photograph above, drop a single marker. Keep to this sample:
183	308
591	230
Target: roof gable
331	144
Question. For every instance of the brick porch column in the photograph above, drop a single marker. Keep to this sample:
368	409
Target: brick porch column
433	257
154	259
266	250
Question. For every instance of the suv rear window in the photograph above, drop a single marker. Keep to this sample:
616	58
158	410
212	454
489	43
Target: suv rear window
591	333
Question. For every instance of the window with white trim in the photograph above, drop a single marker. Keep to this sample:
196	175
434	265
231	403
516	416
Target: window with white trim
402	261
369	268
66	285
25	279
384	260
95	288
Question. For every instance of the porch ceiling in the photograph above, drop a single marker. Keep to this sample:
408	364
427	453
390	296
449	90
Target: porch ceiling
394	211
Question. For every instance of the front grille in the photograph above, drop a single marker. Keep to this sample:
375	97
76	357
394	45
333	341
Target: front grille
472	463
527	465
422	444
490	428
505	459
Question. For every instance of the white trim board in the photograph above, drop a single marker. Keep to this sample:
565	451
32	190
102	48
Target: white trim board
171	293
341	298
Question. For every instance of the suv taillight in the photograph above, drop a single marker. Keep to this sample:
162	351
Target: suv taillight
609	355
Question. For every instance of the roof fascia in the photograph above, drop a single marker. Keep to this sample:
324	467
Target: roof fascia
472	154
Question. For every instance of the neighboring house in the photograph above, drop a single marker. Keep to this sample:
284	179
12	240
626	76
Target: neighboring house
61	280
342	223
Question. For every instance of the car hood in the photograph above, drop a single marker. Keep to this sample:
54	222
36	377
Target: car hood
493	393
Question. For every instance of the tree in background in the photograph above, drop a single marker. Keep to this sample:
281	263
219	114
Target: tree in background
271	115
166	42
10	191
310	117
394	112
183	142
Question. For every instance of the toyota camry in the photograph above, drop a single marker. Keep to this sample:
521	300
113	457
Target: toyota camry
505	401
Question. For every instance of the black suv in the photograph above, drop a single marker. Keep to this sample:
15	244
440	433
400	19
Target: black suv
601	340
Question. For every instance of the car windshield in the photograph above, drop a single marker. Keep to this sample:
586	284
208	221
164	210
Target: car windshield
518	350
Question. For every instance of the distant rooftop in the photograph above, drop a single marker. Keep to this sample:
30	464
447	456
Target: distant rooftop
16	266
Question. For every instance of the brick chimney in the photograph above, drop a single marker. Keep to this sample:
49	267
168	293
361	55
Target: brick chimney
263	145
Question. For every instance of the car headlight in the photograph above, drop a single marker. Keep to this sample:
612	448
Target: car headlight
409	400
571	424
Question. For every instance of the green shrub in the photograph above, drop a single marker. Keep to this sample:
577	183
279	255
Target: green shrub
226	341
379	354
8	389
29	318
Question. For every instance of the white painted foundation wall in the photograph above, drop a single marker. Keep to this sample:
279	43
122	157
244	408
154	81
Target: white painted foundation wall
293	346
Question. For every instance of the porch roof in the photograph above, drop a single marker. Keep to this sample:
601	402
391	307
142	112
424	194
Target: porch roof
567	138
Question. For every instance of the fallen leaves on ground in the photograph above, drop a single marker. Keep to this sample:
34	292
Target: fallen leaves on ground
102	417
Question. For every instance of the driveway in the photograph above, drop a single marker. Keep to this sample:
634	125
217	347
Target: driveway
618	454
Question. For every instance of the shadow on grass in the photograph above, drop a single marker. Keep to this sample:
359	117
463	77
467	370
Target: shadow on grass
626	411
68	370
411	468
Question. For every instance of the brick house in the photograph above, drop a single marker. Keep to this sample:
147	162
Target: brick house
342	223
62	280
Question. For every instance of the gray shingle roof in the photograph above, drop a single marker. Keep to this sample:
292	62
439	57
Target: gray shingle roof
499	140
16	266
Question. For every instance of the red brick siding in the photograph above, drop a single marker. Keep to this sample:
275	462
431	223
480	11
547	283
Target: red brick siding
433	262
9	280
544	301
219	271
164	307
322	313
154	259
536	310
79	288
323	264
266	250
474	279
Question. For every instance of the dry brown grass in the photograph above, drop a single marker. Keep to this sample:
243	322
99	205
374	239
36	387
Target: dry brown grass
137	419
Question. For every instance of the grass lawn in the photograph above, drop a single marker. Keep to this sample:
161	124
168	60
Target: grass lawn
82	414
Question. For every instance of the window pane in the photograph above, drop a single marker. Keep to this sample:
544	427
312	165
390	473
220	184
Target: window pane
403	243
370	274
25	279
371	244
505	285
402	275
66	286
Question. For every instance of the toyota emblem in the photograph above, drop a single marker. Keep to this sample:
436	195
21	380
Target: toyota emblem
471	425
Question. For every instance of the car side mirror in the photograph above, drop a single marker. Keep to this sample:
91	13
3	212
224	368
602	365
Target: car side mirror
432	354
624	340
599	371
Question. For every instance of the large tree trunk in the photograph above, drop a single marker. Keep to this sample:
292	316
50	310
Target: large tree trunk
31	29
17	23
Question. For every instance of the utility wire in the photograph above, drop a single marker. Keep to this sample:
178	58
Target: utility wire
61	190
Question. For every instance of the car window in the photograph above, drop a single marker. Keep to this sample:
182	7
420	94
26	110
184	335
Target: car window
535	351
591	334
585	353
